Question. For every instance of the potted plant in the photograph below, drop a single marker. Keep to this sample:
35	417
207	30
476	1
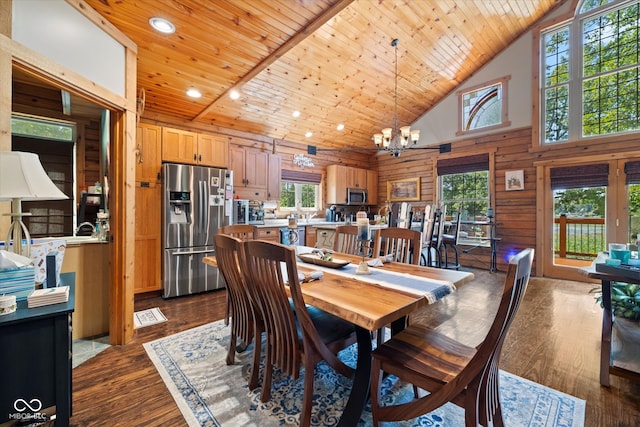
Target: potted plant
625	300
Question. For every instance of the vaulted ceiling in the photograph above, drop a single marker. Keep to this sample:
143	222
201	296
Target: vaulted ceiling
331	60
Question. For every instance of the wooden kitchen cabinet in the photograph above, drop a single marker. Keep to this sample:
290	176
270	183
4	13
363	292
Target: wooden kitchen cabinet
147	262
250	172
148	152
271	234
213	150
311	236
181	146
273	185
178	146
339	178
372	187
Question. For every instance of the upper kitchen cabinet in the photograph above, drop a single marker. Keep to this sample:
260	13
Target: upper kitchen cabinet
148	153
339	178
273	186
372	187
213	150
250	172
181	146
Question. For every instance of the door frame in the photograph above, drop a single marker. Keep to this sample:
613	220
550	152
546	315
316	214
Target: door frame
616	201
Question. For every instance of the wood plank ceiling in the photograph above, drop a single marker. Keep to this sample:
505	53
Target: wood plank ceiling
332	60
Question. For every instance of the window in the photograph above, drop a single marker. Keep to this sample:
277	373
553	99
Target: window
483	107
299	190
53	141
464	185
591	73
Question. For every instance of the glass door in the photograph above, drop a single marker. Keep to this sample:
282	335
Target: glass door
586	207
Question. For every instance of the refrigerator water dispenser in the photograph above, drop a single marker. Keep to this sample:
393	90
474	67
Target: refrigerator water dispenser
180	207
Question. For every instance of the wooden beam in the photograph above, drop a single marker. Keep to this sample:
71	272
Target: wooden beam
278	53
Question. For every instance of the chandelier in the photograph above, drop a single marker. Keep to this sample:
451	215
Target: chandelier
395	140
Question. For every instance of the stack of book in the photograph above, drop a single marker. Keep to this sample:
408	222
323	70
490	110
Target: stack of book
47	296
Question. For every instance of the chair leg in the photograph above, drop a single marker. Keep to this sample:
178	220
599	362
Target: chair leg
265	395
307	400
376	382
257	353
231	353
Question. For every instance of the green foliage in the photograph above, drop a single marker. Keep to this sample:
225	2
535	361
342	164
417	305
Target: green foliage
466	191
625	300
580	202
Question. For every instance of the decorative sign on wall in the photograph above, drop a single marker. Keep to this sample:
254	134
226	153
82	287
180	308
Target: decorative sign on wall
514	180
302	161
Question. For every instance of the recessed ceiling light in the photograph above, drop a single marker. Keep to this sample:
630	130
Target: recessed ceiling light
234	94
194	93
308	134
162	25
296	113
340	127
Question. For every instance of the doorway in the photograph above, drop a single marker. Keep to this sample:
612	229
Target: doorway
586	206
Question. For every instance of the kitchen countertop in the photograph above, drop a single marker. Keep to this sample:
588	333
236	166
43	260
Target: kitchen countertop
313	222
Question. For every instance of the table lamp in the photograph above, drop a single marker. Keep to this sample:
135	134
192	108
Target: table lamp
22	177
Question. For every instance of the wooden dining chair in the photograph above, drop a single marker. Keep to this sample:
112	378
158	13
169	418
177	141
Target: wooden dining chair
297	335
448	369
246	322
242	232
346	240
403	243
427	253
450	241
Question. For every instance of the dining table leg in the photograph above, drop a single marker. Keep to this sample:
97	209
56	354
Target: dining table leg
361	381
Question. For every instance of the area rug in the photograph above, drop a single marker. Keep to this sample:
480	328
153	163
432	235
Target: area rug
210	393
148	317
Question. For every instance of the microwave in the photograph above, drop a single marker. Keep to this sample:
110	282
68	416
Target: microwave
357	196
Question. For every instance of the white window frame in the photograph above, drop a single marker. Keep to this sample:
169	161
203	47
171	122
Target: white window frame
575	82
504	116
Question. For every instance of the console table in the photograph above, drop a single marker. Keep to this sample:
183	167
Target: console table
36	360
626	361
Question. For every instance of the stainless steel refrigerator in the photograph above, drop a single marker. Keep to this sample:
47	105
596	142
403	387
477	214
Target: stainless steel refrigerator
197	201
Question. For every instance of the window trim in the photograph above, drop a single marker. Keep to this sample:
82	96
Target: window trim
504	122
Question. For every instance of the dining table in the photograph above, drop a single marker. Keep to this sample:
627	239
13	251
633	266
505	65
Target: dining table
390	293
385	296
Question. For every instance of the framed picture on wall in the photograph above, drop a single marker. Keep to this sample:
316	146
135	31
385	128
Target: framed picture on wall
403	190
514	180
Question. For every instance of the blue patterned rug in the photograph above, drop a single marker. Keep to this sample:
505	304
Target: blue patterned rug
210	393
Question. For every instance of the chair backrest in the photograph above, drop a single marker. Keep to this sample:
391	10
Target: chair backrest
439	223
346	240
270	267
485	362
241	231
404	217
454	230
405	244
427	224
229	251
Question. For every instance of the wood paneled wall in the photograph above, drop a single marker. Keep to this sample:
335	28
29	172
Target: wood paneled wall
515	210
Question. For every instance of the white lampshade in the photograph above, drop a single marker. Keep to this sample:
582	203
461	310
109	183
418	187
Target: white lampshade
23	177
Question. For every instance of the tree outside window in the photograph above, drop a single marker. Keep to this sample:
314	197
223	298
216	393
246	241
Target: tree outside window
298	196
591	69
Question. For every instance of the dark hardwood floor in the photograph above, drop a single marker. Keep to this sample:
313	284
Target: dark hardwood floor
555	341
